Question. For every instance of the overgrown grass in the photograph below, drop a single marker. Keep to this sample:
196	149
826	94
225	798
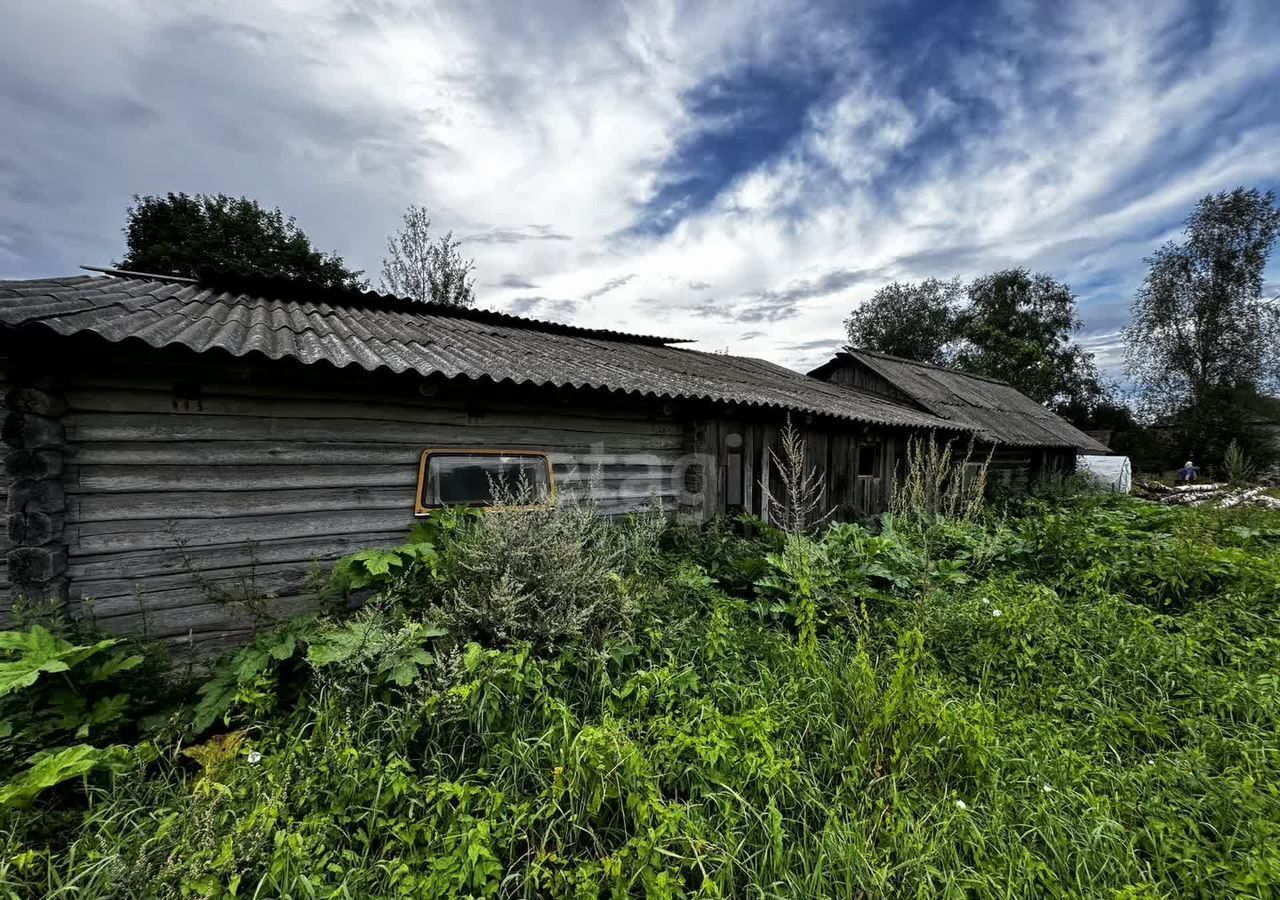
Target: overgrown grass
1081	701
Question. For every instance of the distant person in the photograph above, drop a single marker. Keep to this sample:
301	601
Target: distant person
1188	473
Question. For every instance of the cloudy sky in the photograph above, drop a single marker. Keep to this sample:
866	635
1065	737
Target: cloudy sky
739	173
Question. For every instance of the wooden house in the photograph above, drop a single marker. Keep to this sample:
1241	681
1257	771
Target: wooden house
172	445
1023	439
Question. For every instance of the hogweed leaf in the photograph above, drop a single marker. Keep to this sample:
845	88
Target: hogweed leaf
54	767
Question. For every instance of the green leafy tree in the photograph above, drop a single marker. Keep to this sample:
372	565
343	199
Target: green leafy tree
1018	327
427	269
1203	336
915	321
1108	414
181	234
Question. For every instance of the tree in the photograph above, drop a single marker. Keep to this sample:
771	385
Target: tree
427	270
1018	327
916	321
1105	413
1201	328
179	234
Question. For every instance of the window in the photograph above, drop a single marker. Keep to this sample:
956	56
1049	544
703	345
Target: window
468	477
733	479
868	460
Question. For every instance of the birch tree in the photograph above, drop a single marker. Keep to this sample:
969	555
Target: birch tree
427	269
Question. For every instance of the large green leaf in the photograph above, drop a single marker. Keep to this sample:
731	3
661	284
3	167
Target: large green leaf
55	767
114	665
40	651
338	645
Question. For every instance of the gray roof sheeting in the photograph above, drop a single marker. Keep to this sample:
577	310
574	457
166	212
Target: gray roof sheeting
999	412
427	340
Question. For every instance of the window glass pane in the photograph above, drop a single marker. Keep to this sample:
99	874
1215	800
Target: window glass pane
468	479
733	487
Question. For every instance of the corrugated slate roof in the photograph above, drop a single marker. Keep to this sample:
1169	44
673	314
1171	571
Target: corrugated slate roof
428	340
995	409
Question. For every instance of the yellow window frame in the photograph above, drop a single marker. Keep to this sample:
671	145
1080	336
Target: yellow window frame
421	509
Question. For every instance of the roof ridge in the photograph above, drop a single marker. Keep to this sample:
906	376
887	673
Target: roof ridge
927	365
282	287
126	310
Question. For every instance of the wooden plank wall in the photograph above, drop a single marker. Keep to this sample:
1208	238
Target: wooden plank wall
856	375
181	499
831	449
1011	468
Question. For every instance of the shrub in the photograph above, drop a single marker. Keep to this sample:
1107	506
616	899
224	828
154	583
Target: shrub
732	551
374	649
546	575
1236	465
800	586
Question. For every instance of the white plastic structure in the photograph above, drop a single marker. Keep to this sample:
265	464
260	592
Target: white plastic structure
1111	472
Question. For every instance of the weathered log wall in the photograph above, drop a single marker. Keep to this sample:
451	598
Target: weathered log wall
35	503
1010	467
197	496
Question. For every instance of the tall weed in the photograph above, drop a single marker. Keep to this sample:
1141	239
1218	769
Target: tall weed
936	484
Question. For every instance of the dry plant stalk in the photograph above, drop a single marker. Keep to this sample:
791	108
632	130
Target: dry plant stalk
935	484
803	492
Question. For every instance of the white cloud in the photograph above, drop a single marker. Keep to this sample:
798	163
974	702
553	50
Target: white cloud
1072	142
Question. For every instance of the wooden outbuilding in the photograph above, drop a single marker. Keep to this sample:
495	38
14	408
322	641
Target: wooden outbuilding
174	446
1023	439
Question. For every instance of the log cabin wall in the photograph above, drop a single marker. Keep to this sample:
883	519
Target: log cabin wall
1010	467
1054	461
198	494
196	488
35	553
1017	468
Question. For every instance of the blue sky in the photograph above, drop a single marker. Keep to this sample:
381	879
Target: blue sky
740	173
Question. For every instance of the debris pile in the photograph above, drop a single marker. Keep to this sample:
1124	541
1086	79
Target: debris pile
1220	495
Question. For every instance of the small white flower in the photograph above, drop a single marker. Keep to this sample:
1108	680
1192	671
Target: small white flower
1151	762
960	804
995	614
255	757
1048	789
986	601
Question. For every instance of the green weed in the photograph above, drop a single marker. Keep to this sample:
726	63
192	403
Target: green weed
1077	702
